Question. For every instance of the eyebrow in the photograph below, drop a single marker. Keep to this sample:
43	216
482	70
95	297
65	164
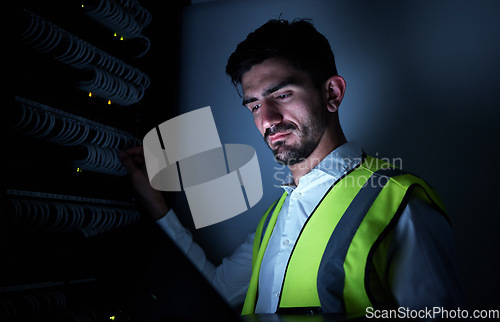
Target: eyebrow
272	89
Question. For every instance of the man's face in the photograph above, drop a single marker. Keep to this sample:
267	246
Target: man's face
287	109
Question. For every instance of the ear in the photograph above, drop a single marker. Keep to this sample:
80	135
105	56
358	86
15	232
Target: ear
334	92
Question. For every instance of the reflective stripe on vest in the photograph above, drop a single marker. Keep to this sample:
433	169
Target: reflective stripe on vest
329	265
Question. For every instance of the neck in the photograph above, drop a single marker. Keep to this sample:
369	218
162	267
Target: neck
332	138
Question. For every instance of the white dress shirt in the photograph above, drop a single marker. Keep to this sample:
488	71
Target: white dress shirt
422	254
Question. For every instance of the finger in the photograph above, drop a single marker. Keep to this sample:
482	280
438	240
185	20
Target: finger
138	161
127	162
122	156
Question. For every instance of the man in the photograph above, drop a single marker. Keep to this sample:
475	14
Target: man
350	232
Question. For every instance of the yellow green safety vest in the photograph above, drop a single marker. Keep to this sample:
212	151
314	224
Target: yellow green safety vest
330	264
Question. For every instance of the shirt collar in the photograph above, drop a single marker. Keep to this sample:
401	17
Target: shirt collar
336	164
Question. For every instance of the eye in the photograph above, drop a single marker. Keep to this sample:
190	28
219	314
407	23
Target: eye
255	107
283	96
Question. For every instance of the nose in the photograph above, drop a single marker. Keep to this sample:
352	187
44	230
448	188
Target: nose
269	115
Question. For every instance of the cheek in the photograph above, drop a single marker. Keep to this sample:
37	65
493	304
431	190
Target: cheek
297	114
258	124
307	111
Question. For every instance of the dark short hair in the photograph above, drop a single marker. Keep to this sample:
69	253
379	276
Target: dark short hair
298	42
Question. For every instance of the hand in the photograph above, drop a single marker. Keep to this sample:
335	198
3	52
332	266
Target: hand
133	160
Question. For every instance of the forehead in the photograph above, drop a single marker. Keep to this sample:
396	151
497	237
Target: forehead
270	71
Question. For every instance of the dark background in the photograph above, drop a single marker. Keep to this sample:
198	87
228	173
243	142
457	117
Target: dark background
422	79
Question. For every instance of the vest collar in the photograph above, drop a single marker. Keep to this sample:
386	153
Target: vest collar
336	164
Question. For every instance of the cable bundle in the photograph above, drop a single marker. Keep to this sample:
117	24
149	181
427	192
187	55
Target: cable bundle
48	215
41	124
100	142
117	67
34	306
105	84
126	17
74	51
48	301
100	159
49	39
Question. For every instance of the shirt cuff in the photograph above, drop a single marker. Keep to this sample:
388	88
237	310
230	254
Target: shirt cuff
173	228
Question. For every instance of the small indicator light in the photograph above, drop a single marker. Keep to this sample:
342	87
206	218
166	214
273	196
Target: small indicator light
109	102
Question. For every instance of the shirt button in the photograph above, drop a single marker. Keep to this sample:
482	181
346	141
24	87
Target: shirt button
278	294
286	242
298	194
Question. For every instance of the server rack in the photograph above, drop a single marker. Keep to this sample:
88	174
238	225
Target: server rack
89	81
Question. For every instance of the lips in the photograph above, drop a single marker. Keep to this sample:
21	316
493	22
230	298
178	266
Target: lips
278	132
278	136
